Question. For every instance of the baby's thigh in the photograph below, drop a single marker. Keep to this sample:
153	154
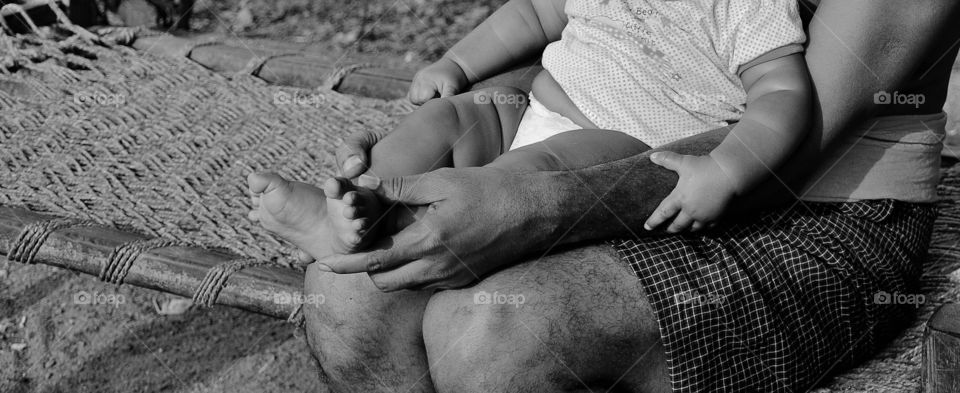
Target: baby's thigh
572	150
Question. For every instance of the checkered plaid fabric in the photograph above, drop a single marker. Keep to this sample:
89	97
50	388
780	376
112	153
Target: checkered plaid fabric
776	304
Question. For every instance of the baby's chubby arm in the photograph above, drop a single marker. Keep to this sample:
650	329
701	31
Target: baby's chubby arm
515	32
778	109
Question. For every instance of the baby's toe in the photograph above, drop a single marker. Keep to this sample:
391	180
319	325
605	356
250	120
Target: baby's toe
254	215
350	238
303	257
352	198
258	183
333	188
352	212
359	224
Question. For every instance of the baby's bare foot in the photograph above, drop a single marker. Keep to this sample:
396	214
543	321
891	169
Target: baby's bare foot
352	212
294	211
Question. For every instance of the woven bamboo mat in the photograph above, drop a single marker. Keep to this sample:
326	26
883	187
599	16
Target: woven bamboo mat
161	145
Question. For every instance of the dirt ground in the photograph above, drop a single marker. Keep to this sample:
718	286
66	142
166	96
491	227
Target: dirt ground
53	341
417	30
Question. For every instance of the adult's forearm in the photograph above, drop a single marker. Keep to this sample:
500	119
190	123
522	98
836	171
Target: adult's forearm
609	200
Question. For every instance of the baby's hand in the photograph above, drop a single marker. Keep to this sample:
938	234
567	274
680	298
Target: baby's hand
701	196
443	78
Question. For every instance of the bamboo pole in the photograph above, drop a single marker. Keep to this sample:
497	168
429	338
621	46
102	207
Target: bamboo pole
301	66
178	270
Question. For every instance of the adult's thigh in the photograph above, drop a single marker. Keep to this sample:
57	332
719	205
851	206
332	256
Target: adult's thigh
568	321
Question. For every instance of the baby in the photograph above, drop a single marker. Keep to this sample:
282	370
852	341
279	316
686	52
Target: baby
653	70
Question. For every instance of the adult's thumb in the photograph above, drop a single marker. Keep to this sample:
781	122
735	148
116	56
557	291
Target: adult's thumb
667	159
411	190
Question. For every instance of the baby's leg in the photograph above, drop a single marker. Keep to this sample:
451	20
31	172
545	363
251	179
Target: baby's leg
456	131
571	150
460	131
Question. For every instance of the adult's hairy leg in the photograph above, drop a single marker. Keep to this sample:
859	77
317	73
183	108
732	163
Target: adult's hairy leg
572	321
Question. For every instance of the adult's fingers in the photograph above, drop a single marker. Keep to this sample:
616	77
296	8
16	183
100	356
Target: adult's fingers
697	226
680	223
408	276
353	156
421	274
387	252
665	211
667	159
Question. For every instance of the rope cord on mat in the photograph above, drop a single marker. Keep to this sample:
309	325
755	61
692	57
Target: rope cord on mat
122	257
333	81
296	317
188	49
32	237
256	63
216	278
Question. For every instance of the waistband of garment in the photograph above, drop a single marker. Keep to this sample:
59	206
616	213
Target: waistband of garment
892	157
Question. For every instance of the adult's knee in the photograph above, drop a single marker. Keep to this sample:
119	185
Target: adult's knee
354	329
481	339
329	295
342	310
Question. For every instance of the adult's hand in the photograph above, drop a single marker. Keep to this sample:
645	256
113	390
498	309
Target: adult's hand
472	226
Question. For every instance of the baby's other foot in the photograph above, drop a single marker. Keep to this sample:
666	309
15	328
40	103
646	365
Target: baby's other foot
352	213
294	211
